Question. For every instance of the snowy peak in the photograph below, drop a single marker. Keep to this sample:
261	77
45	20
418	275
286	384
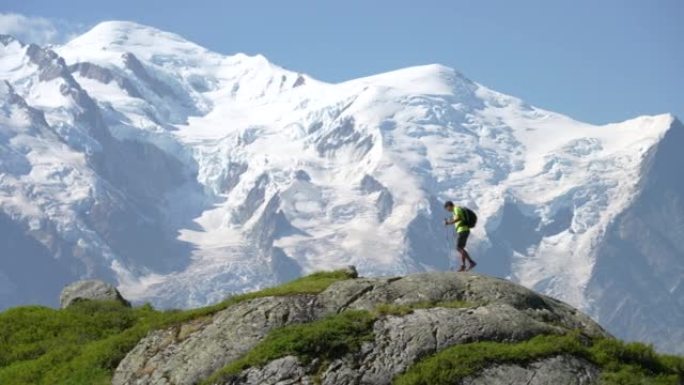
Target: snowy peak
142	40
431	79
179	78
109	40
8	39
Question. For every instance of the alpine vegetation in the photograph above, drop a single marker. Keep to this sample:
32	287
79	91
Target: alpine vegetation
329	328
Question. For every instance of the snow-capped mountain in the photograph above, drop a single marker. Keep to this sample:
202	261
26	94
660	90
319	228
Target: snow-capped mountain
134	155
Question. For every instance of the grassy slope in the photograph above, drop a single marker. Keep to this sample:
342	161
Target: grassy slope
84	343
623	364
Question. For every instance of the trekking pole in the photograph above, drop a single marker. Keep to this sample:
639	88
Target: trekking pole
448	240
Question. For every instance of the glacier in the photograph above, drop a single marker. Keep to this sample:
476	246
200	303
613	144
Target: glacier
134	155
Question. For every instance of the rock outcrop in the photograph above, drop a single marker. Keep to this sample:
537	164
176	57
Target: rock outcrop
564	369
94	290
496	310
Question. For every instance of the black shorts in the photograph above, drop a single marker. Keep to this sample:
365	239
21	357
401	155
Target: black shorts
462	239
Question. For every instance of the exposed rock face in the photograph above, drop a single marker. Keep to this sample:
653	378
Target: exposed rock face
283	371
90	290
104	75
193	352
564	369
401	341
501	311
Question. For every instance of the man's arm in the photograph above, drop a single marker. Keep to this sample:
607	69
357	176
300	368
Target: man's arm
452	221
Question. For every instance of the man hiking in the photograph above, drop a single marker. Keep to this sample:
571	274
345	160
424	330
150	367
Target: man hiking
459	221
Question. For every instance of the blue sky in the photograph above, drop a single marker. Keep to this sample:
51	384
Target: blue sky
598	61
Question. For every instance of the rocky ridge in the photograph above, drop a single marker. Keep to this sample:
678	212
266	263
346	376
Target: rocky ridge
491	310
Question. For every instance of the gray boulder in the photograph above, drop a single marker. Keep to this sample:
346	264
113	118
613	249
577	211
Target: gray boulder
93	290
500	311
191	352
563	369
283	371
401	341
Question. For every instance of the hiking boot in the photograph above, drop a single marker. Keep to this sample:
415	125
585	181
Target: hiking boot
463	268
472	266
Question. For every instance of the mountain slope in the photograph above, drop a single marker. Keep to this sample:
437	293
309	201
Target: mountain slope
328	328
184	174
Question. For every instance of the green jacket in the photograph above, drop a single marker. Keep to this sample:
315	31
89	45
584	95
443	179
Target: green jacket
459	215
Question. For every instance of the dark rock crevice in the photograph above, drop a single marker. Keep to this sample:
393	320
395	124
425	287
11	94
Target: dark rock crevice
105	76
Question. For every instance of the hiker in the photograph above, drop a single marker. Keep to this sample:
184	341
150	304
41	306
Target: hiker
463	230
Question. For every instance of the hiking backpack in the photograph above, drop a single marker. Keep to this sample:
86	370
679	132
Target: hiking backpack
470	219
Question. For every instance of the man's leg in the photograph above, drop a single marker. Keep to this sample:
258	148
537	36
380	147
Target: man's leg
462	240
463	260
466	257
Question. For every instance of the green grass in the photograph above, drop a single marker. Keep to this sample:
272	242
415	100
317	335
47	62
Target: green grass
325	339
310	284
622	363
635	363
84	343
78	345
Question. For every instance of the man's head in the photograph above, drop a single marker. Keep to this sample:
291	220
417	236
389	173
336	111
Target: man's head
449	206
